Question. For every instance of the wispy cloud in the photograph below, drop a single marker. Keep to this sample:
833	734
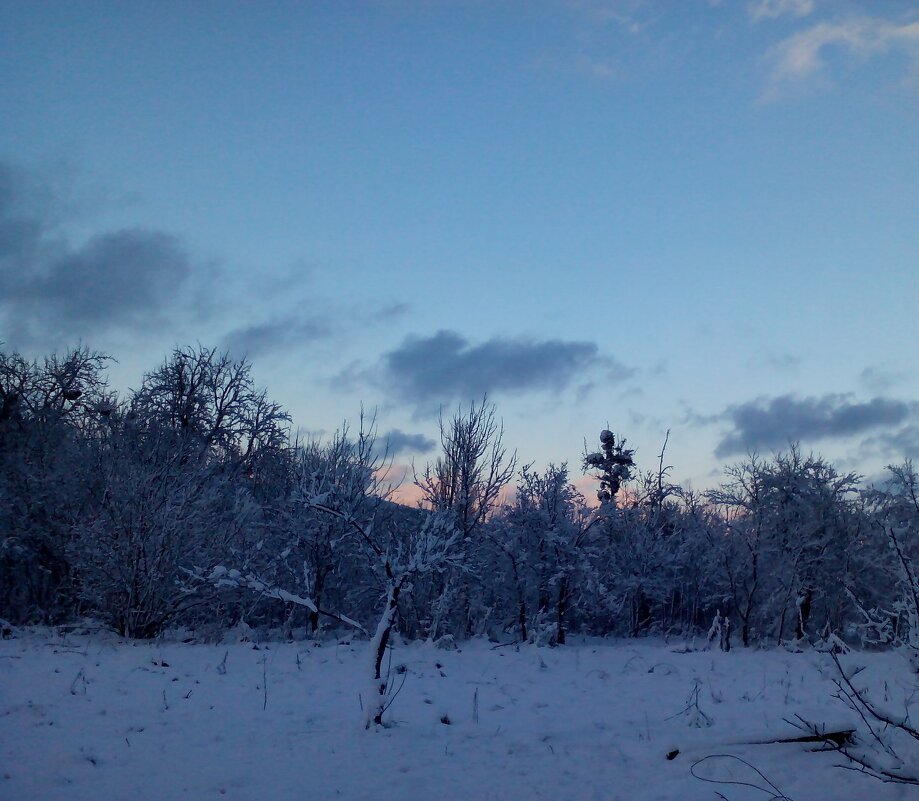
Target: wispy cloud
629	14
291	331
881	377
602	69
392	311
801	58
902	444
310	322
777	362
773	9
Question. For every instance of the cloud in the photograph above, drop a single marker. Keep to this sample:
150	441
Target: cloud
778	362
54	289
773	9
801	56
774	422
901	444
115	277
393	311
905	442
601	69
265	338
446	366
397	441
881	377
626	13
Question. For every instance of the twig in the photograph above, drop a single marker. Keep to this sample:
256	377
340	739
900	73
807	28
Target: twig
265	682
775	794
73	686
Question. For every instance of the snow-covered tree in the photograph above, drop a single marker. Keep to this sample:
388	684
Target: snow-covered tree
466	480
48	411
152	513
791	522
211	400
175	476
357	497
465	484
612	464
543	550
895	524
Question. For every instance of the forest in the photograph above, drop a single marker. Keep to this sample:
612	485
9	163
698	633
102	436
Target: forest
187	502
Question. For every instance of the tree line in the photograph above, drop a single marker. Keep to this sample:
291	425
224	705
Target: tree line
187	502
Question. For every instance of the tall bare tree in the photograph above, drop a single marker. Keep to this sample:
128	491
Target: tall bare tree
474	467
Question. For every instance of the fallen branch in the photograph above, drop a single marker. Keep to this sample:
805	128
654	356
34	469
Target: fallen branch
833	738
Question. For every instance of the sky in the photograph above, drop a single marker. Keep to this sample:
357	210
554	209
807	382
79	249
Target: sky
646	215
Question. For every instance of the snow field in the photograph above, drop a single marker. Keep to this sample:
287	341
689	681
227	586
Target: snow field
96	718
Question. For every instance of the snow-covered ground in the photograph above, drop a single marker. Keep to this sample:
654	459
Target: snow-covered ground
92	717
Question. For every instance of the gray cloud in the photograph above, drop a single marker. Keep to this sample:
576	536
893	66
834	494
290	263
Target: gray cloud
264	338
446	366
773	422
393	311
881	377
54	289
397	442
895	445
905	442
115	277
779	362
295	330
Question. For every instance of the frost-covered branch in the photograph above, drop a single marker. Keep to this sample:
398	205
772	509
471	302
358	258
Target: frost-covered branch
221	576
895	753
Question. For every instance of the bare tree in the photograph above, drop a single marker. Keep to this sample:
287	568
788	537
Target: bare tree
886	746
359	498
211	401
791	521
552	505
465	484
152	513
474	467
340	514
172	489
432	548
47	414
741	554
61	388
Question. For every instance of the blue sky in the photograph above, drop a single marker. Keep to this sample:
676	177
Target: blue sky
691	215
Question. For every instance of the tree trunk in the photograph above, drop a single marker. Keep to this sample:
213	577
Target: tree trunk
562	611
522	619
805	603
377	700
